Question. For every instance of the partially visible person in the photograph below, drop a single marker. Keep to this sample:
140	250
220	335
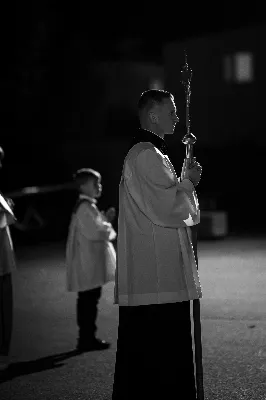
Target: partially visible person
7	267
90	256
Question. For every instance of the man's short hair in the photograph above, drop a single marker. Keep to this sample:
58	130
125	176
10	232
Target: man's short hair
152	97
83	175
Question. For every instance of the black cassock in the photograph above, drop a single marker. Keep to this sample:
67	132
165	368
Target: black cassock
154	358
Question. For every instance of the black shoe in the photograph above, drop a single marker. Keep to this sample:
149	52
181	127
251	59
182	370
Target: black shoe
95	344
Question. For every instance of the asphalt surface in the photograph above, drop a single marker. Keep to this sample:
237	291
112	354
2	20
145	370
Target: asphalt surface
233	310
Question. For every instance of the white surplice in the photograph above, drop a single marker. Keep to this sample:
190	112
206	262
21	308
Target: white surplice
155	259
90	255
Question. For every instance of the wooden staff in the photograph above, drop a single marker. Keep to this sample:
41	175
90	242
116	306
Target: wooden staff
189	140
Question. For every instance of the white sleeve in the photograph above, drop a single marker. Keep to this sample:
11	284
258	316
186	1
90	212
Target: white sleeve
3	221
157	192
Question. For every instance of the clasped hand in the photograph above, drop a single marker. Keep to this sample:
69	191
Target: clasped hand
193	172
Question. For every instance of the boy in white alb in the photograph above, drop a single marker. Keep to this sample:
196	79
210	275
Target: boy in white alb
90	256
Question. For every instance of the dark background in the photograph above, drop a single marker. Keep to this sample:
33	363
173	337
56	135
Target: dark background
72	78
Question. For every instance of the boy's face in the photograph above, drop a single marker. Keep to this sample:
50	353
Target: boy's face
92	188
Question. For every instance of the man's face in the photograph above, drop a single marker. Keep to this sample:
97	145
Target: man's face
166	117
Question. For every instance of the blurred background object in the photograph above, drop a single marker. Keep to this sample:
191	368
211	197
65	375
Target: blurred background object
76	94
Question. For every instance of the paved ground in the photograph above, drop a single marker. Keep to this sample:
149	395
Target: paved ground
233	277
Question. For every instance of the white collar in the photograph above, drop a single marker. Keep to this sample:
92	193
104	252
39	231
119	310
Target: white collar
84	196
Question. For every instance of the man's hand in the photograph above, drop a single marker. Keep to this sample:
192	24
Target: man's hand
193	172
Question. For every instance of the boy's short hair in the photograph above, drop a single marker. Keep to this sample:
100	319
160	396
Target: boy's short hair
82	176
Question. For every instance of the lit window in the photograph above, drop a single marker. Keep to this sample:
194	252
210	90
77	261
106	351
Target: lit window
238	68
243	67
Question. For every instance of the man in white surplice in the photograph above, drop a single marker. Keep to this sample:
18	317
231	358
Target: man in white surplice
156	210
156	274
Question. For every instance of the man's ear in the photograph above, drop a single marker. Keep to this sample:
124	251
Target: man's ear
153	117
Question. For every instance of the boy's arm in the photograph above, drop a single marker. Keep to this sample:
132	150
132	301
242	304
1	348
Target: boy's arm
92	226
